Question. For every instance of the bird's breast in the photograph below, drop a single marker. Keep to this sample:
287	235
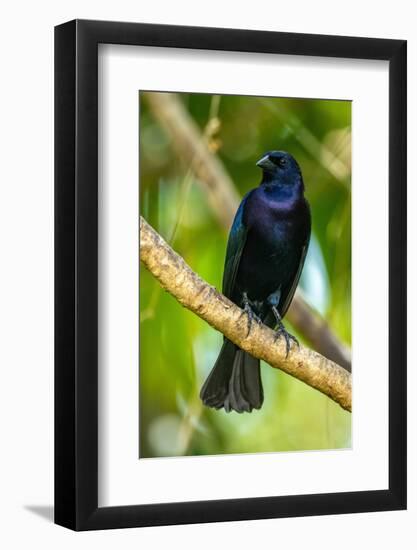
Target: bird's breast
276	234
276	223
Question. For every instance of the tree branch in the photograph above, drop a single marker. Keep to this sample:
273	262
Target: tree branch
205	301
317	332
190	146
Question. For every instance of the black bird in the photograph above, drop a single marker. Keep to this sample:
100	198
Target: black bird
265	255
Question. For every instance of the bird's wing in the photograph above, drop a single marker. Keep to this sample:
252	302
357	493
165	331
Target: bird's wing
237	239
287	291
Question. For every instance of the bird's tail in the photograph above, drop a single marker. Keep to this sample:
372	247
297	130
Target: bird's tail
234	382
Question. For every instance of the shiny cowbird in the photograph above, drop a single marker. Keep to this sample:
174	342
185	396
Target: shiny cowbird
265	255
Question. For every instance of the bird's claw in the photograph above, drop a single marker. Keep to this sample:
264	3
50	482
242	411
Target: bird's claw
250	313
281	331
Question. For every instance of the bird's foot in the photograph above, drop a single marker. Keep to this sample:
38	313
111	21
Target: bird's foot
250	313
282	331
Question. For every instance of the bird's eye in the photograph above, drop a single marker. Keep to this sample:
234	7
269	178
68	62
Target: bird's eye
279	161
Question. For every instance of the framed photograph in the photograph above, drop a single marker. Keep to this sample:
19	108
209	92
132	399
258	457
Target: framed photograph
230	285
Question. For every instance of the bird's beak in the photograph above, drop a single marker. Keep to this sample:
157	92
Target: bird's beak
266	164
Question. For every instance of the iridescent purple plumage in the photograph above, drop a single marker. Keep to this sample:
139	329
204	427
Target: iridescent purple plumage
265	255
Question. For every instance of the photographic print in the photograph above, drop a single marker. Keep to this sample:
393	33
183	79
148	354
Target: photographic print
254	194
209	260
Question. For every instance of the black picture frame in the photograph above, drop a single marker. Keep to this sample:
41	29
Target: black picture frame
76	272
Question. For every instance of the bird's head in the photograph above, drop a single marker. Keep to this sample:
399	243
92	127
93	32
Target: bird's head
279	167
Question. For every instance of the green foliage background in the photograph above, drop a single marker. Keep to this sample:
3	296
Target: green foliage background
177	349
